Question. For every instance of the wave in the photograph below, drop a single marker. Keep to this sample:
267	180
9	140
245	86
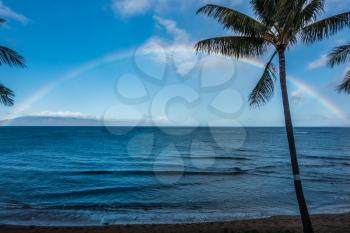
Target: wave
310	177
109	190
330	165
326	157
142	158
247	150
217	157
103	207
301	132
235	171
99	191
129	205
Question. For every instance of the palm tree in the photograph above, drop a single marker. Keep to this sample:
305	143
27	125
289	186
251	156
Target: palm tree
340	55
278	25
11	58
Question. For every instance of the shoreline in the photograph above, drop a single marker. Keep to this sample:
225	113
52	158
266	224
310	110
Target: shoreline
323	223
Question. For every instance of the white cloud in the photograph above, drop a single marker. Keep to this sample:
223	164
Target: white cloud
66	114
297	96
128	8
154	48
161	119
172	28
178	47
159	50
321	61
7	13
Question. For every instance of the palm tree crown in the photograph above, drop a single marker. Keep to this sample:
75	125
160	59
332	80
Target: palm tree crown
279	24
340	55
11	58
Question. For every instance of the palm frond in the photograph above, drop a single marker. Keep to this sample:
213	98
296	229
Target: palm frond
265	10
10	57
264	89
325	28
345	84
233	20
339	55
288	14
312	10
237	46
6	96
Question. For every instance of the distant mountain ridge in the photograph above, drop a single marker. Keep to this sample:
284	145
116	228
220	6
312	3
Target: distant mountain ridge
61	121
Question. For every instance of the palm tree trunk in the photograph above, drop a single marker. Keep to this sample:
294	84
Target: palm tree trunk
305	217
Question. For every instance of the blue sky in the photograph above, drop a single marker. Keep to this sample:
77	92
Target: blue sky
133	60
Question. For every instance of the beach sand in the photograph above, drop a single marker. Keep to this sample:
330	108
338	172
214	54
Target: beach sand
338	223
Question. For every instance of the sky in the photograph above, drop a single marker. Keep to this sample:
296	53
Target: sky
133	61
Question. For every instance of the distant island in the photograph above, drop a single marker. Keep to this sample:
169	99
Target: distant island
70	121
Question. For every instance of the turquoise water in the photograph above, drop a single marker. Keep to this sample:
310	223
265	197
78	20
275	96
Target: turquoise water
90	176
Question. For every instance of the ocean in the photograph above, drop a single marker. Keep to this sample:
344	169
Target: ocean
64	176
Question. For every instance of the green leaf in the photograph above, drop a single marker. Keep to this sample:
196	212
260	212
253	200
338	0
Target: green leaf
345	84
233	20
312	10
288	15
6	96
237	46
264	89
265	10
10	57
339	55
325	28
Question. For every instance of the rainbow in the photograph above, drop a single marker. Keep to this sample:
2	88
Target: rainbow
307	89
43	91
328	104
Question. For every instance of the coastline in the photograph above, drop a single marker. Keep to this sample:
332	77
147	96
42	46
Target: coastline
325	223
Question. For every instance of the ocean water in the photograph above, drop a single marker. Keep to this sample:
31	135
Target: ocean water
92	176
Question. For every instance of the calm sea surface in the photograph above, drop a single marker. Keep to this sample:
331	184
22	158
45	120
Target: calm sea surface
92	176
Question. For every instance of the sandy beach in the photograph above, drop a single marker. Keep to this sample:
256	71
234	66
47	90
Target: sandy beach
338	223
